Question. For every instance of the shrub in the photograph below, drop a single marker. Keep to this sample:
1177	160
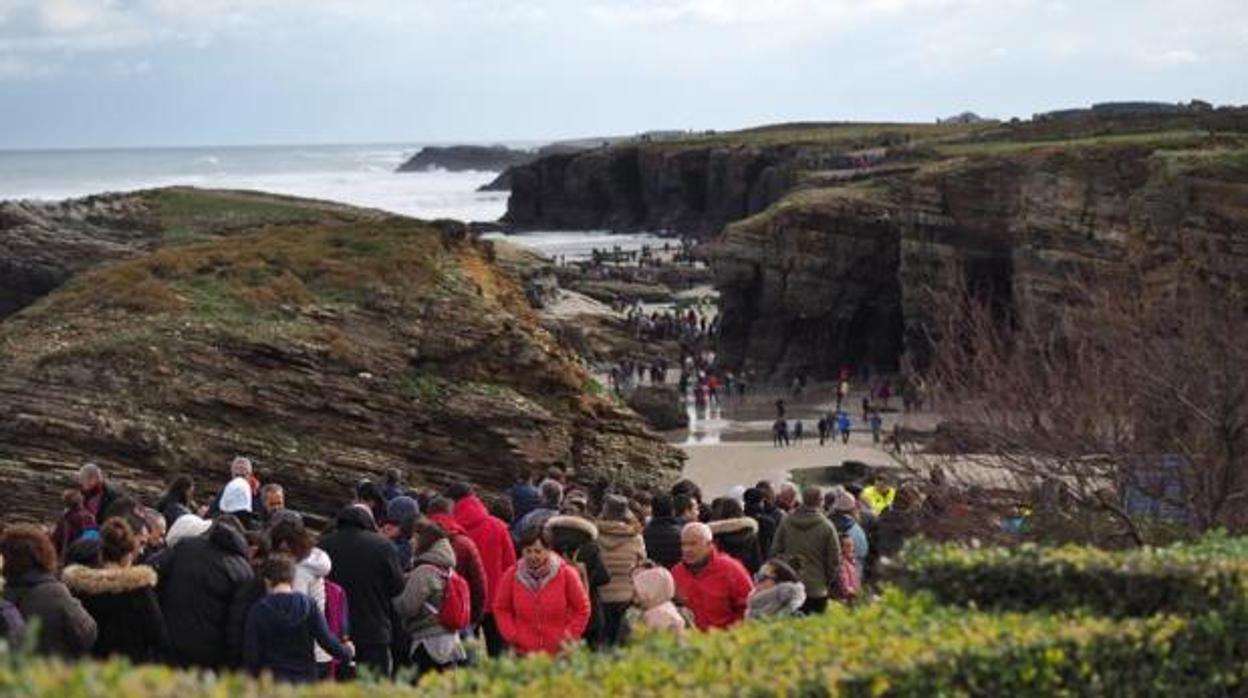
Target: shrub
1194	578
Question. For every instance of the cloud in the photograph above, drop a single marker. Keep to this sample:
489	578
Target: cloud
1177	57
17	69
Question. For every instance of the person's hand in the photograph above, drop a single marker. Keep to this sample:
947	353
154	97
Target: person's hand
350	647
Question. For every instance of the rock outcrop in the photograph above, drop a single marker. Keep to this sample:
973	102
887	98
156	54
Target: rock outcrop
327	351
462	158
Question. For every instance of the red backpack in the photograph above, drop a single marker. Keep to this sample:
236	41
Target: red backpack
456	611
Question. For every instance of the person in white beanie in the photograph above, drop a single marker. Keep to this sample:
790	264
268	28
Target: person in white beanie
186	526
236	500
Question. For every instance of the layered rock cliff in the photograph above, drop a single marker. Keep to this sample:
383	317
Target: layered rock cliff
460	158
326	350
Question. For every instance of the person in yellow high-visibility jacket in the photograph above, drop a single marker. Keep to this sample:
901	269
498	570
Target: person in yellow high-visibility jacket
879	496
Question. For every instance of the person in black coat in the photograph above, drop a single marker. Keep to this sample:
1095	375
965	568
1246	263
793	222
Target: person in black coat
662	533
205	587
284	626
736	534
756	508
576	539
366	565
121	597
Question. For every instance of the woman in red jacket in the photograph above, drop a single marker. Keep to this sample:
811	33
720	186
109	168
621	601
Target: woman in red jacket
541	602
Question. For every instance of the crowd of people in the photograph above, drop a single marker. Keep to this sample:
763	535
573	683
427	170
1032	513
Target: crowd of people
403	579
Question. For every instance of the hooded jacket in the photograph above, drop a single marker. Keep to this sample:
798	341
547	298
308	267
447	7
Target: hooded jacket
493	541
205	588
576	540
310	574
716	592
808	535
467	563
123	602
662	539
366	566
281	631
783	599
65	627
622	549
739	538
654	590
419	603
542	619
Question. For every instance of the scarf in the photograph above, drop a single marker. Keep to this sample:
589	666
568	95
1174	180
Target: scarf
535	580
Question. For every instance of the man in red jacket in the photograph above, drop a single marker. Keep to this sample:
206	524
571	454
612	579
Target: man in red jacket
467	557
714	586
497	551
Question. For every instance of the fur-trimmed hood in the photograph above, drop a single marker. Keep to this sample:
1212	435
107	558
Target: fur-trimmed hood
743	524
107	580
575	523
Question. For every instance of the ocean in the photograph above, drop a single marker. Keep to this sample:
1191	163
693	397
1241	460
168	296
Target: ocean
362	175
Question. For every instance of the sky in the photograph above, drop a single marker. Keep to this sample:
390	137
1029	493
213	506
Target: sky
124	73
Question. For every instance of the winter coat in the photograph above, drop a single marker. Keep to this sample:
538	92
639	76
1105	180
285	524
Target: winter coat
205	588
421	599
717	592
542	619
70	528
654	590
493	540
768	522
467	563
783	599
172	510
739	538
65	627
622	549
98	502
576	540
366	566
662	538
809	536
280	633
525	497
310	574
123	602
846	525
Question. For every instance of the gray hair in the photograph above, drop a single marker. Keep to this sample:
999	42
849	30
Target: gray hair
271	487
240	467
552	493
91	470
697	530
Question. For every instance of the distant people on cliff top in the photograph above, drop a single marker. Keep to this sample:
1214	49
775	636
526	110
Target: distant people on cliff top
402	589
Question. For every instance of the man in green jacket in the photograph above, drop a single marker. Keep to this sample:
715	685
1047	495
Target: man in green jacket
810	538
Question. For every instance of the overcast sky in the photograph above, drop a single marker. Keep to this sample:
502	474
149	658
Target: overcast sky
77	73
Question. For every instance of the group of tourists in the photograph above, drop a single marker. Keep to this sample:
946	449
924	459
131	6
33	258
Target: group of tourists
402	579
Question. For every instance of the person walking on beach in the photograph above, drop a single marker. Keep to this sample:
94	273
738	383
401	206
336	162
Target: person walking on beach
822	426
877	424
780	433
843	424
797	431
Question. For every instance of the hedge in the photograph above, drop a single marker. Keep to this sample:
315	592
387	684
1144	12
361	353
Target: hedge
901	646
1188	579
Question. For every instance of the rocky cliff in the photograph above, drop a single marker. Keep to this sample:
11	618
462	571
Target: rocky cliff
843	274
326	349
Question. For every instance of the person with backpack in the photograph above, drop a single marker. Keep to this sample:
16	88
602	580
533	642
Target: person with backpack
283	627
623	548
467	557
435	605
494	543
541	604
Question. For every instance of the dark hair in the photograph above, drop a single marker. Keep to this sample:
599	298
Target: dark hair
812	496
531	535
458	490
682	503
439	505
26	548
117	540
291	537
85	552
72	499
136	520
726	508
179	490
393	477
500	507
367	491
687	487
122	506
661	505
277	569
427	533
784	571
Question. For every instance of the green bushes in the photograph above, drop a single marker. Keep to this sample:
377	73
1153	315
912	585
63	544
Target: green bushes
1190	579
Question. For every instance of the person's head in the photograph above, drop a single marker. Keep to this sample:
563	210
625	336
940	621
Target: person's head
661	505
773	572
843	502
534	544
753	500
71	499
500	507
240	467
458	490
686	507
25	549
787	497
427	534
847	546
616	508
367	492
440	505
273	496
695	543
156	528
400	519
812	497
556	473
688	487
394	476
552	493
724	508
576	503
236	497
90	477
118	544
182	489
652	585
290	538
277	570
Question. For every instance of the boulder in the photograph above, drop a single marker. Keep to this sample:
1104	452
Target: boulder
662	406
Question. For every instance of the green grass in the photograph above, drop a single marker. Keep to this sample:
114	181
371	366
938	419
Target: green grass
188	215
1179	138
845	136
